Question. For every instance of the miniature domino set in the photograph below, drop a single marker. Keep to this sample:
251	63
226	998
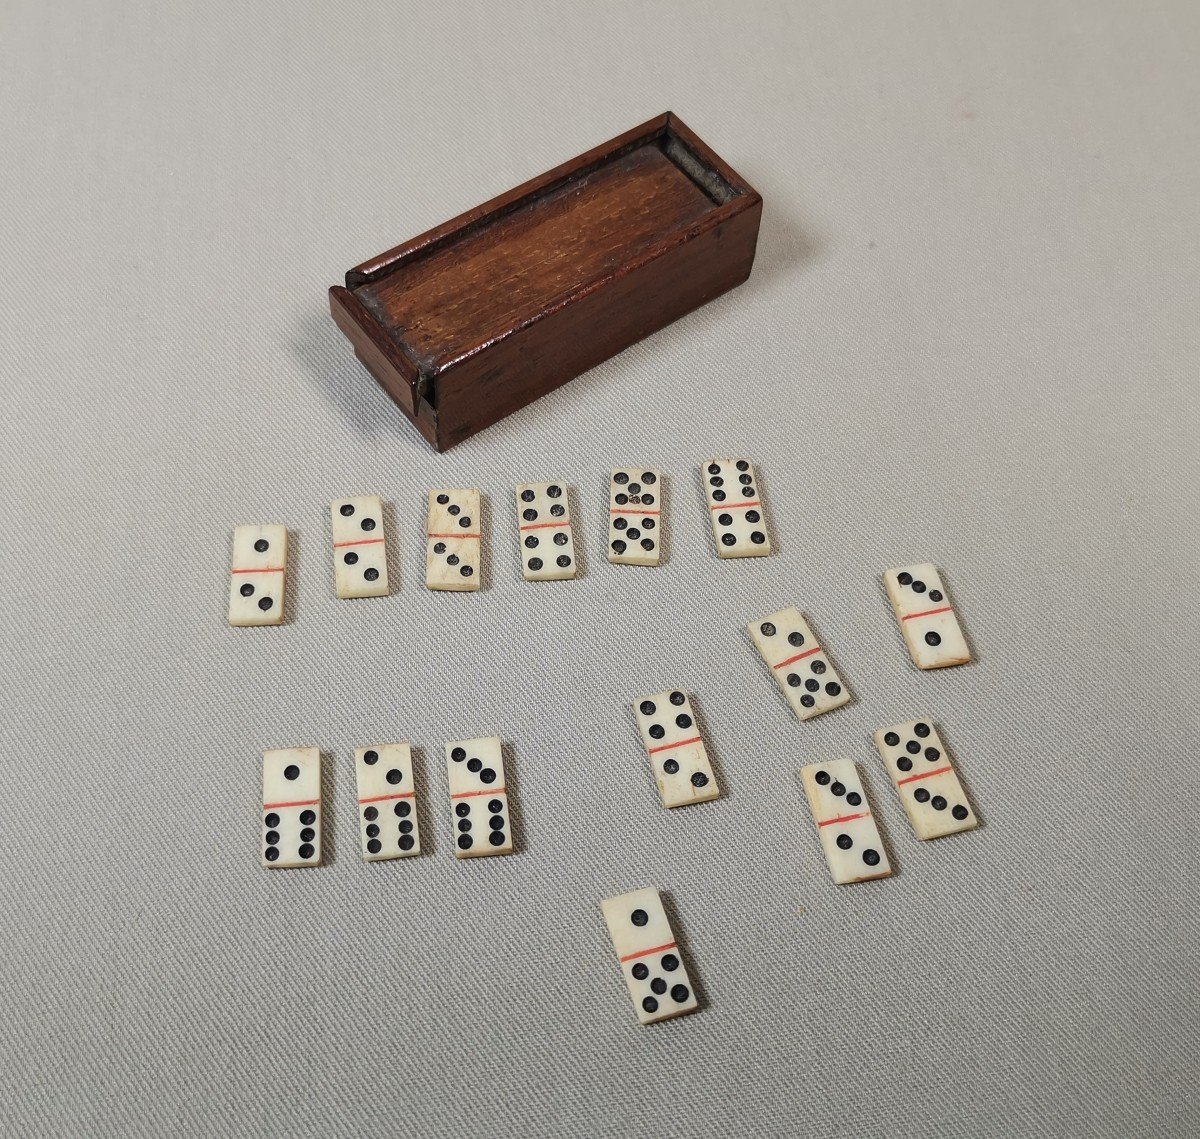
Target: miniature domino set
912	752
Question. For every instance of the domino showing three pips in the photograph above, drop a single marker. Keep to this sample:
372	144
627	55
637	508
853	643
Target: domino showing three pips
291	813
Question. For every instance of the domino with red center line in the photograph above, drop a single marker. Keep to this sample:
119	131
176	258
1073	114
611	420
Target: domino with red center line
805	676
291	807
386	802
925	780
929	624
650	960
736	509
478	798
256	580
676	751
849	836
452	541
547	542
359	547
635	517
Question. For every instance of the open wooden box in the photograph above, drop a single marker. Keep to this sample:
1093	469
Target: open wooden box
485	313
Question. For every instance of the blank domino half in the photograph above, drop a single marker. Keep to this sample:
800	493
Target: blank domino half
259	565
478	798
635	517
452	541
676	751
736	509
650	960
359	547
929	624
547	541
847	831
386	802
291	807
925	780
808	681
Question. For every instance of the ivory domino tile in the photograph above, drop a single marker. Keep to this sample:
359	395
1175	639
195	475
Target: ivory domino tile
291	807
386	802
650	960
805	676
453	535
736	509
920	767
635	517
927	620
848	834
359	547
478	798
676	751
547	540
256	580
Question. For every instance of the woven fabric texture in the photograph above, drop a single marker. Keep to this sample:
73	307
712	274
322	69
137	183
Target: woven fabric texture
970	337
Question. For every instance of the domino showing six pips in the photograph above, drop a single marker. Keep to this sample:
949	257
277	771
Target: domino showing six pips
913	753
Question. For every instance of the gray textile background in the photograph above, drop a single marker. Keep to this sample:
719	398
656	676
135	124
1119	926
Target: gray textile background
971	336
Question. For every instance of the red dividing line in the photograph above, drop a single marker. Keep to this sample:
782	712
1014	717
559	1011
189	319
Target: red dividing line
545	525
265	569
800	656
301	803
387	798
358	542
667	747
924	775
614	511
927	613
452	535
473	794
734	505
647	952
845	819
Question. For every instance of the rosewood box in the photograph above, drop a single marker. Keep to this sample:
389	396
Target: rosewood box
485	313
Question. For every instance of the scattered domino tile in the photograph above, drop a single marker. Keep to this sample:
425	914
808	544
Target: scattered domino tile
847	831
547	543
635	517
736	509
291	807
359	547
453	541
650	960
386	802
256	581
929	624
675	749
478	799
920	767
808	681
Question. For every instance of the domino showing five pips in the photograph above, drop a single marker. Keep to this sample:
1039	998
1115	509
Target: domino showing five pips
913	754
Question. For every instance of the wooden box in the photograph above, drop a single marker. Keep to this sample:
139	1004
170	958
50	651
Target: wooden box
485	313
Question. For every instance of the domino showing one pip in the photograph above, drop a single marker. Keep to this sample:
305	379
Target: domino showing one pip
259	566
650	960
547	542
478	799
359	547
847	831
736	509
809	683
635	517
453	541
291	807
925	780
929	624
676	751
386	801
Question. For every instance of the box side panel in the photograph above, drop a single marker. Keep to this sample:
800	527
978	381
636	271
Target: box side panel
511	372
